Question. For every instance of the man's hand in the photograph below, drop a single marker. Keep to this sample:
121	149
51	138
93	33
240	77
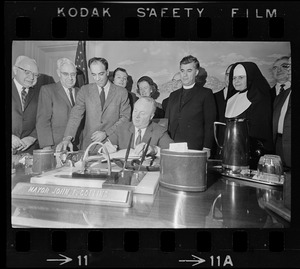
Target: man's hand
16	142
63	145
27	142
98	136
140	148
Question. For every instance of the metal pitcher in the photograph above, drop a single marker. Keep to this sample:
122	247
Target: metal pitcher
235	149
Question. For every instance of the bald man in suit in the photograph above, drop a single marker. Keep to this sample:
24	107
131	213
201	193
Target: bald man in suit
105	106
55	103
142	115
24	105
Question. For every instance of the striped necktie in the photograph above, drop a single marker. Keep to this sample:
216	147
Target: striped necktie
281	88
139	137
71	96
24	95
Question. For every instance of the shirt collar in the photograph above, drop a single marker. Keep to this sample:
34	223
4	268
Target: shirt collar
189	87
67	89
19	86
143	130
106	87
286	85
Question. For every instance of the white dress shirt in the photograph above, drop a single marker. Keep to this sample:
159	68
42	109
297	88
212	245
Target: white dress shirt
136	133
106	89
278	86
282	114
68	93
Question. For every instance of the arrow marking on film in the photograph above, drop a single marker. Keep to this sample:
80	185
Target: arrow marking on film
65	260
197	260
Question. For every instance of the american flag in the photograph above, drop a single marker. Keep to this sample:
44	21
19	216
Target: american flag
81	65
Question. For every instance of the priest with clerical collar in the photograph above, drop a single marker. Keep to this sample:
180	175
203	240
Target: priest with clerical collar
191	110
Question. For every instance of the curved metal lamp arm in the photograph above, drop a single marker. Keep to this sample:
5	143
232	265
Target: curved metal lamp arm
85	156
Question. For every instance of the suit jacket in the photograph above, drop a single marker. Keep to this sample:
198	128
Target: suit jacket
158	134
53	112
115	111
286	135
195	118
23	122
220	105
273	94
220	110
164	104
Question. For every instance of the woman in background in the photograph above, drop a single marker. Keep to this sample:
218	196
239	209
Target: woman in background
147	87
249	97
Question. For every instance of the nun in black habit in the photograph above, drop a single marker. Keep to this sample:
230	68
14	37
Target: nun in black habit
249	97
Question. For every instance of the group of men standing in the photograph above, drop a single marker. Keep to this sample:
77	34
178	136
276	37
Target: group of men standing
62	116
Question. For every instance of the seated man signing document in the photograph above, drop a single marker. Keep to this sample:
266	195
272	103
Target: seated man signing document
142	129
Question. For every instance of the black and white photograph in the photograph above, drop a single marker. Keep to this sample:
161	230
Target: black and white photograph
151	134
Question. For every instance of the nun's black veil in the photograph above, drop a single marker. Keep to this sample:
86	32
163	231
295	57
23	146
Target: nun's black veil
257	85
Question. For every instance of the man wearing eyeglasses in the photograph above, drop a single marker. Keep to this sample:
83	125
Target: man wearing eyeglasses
105	106
280	71
55	103
24	105
282	120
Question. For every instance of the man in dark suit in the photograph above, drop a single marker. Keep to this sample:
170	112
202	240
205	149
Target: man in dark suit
220	98
280	74
282	123
105	106
144	110
55	103
191	110
24	105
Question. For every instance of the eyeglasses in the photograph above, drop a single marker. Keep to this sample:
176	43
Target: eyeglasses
65	74
284	66
28	72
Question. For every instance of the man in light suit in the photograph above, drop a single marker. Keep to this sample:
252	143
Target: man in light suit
24	105
191	110
105	106
282	123
143	112
55	103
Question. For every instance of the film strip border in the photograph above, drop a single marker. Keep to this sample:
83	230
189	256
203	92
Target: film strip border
147	21
133	28
151	21
151	247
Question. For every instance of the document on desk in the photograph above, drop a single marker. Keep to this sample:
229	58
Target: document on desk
120	154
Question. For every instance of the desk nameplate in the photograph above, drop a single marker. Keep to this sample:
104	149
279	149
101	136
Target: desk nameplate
70	194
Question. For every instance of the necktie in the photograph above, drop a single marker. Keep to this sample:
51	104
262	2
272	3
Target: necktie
139	138
281	88
102	97
24	95
71	96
